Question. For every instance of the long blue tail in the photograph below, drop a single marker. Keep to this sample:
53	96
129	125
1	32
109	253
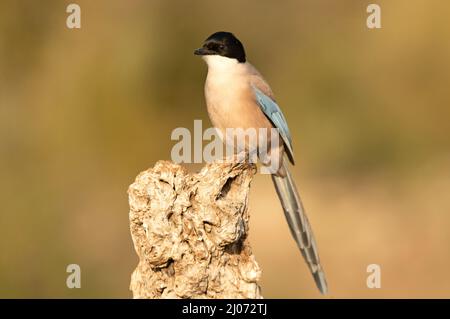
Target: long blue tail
299	225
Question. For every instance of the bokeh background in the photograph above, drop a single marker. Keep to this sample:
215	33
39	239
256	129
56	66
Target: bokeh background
82	112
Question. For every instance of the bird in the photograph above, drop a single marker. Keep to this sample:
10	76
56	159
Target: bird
238	96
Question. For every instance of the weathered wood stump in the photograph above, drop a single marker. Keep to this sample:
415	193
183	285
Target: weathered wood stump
190	232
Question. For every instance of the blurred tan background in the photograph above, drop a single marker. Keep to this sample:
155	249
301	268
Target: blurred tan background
83	111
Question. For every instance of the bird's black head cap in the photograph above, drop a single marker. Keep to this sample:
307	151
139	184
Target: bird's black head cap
223	44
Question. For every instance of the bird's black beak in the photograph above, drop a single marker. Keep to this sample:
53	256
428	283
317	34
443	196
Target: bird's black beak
203	51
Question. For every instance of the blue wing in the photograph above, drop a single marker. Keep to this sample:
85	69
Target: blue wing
274	114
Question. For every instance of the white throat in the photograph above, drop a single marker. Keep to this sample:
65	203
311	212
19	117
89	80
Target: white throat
217	63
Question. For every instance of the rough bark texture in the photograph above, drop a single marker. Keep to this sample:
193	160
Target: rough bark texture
190	232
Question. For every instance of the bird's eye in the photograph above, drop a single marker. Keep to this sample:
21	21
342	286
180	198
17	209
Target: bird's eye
221	47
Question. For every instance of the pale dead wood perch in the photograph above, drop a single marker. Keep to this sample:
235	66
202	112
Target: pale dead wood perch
190	232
